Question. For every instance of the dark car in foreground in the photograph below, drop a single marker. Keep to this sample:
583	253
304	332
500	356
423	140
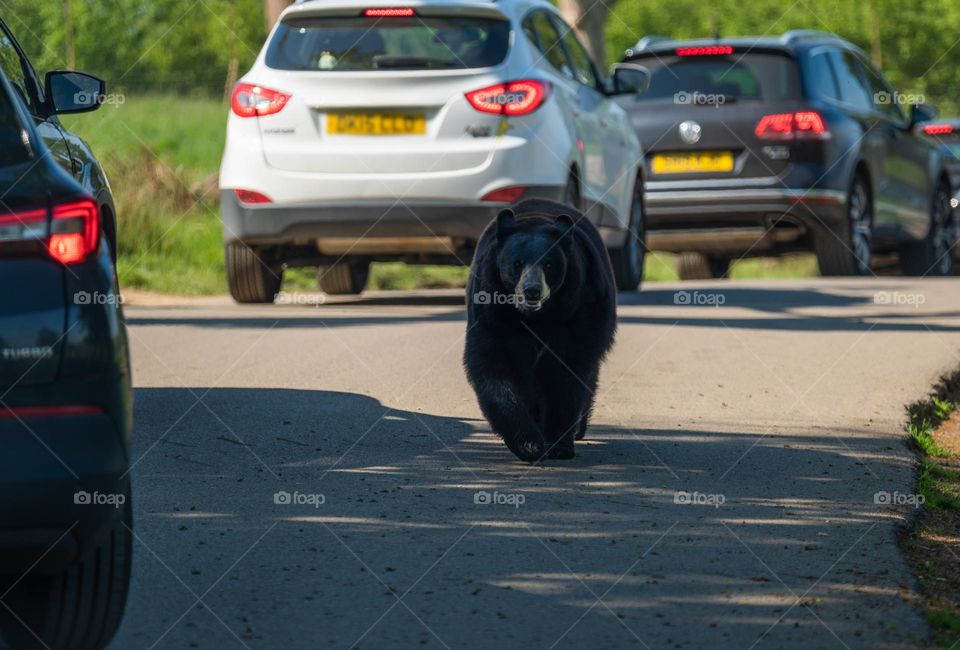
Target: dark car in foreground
65	401
762	146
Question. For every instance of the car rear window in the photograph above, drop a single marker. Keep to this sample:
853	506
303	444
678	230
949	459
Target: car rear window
414	43
13	147
761	77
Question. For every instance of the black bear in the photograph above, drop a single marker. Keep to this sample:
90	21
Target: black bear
541	317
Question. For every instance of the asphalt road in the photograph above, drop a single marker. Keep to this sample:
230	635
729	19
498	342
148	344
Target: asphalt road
725	496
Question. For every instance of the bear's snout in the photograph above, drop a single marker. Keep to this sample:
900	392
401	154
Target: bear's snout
532	289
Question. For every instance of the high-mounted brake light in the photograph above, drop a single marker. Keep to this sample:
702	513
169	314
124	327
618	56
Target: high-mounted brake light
802	125
74	231
511	98
388	12
250	100
707	50
938	129
251	197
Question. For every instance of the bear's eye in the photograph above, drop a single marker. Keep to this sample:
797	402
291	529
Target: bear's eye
518	265
548	266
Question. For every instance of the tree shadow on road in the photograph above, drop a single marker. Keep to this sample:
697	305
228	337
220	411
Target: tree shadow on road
431	534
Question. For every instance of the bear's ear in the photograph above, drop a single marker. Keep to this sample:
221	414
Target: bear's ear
564	224
506	223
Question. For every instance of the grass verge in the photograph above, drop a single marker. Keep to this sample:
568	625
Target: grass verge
933	546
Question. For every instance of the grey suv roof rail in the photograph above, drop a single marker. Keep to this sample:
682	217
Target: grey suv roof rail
799	34
645	42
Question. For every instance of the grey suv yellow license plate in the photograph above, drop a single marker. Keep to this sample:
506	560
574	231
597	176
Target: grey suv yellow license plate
693	163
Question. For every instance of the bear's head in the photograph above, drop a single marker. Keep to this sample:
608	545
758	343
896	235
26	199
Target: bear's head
533	258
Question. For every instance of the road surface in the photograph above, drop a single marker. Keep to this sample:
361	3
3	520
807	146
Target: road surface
320	476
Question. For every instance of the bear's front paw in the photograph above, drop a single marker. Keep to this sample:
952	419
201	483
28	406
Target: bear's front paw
562	450
529	451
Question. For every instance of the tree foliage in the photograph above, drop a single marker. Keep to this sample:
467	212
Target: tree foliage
917	44
186	46
183	46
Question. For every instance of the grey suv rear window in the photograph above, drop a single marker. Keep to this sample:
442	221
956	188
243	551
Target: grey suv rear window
765	77
414	43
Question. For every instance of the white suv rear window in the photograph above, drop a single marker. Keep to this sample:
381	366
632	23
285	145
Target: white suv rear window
414	43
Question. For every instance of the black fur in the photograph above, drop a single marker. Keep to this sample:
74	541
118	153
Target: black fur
535	372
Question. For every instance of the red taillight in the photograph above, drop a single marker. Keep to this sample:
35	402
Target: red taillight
802	125
249	196
505	194
388	12
708	50
510	98
938	129
23	225
250	100
22	412
74	231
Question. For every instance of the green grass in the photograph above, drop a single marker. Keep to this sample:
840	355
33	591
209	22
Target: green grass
162	153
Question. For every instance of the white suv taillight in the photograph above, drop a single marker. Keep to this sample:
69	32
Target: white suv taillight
511	98
250	100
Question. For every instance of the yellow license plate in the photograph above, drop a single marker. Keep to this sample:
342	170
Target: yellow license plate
693	163
376	124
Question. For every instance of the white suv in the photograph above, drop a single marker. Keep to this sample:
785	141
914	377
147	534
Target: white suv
396	131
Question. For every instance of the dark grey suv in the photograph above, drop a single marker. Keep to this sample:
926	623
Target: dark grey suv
761	146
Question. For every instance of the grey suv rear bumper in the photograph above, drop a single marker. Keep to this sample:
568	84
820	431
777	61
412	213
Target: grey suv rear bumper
739	220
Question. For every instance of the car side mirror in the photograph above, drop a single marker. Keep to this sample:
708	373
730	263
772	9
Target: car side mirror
628	79
73	92
922	113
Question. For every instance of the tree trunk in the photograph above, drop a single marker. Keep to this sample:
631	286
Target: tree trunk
71	52
589	19
272	10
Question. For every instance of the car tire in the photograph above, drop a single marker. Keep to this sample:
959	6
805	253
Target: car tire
250	280
934	254
849	252
697	266
343	278
627	260
79	608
